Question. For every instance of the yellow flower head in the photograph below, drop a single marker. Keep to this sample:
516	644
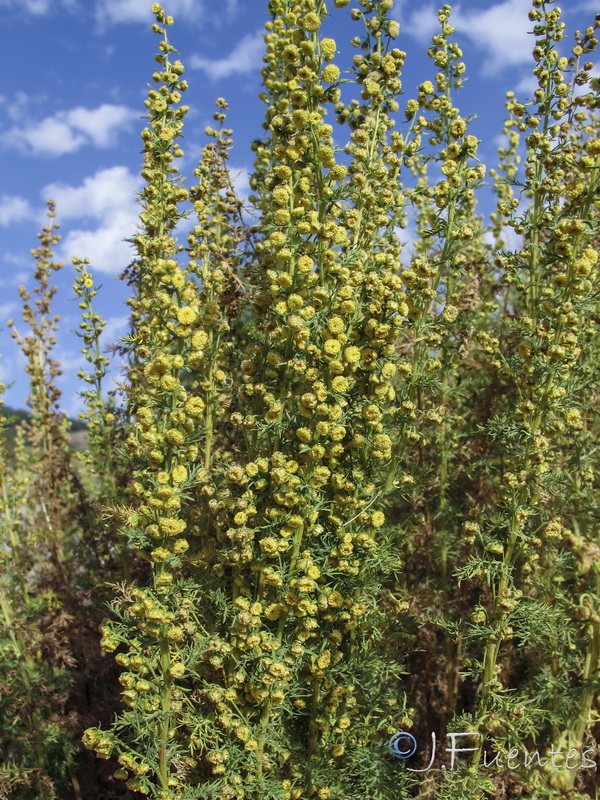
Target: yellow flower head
305	264
352	355
331	73
332	347
336	325
371	413
377	519
281	217
328	48
195	407
304	435
273	611
338	172
179	474
187	315
199	340
382	441
340	384
335	599
310	22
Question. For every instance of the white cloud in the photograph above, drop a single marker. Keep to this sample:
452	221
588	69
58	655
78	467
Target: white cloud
13	209
52	136
70	361
115	326
37	7
12	371
7	310
594	73
527	86
587	5
16	107
104	246
101	124
5	372
510	240
240	177
244	57
68	131
107	197
409	237
16	260
98	194
500	31
18	271
113	12
109	12
422	24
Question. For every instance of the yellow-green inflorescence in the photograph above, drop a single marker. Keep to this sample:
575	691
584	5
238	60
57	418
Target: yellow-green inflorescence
541	359
298	385
302	536
176	324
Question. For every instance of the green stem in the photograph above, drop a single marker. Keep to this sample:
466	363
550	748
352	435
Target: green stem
165	705
264	722
313	731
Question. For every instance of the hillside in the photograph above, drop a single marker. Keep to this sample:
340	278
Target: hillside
17	415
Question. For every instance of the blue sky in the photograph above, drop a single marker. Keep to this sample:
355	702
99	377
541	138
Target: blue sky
71	107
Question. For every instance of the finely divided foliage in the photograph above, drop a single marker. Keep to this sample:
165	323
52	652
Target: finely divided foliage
346	488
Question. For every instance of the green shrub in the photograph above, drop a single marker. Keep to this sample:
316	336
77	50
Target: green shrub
351	490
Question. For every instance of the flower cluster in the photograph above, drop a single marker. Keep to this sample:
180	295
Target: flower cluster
347	473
